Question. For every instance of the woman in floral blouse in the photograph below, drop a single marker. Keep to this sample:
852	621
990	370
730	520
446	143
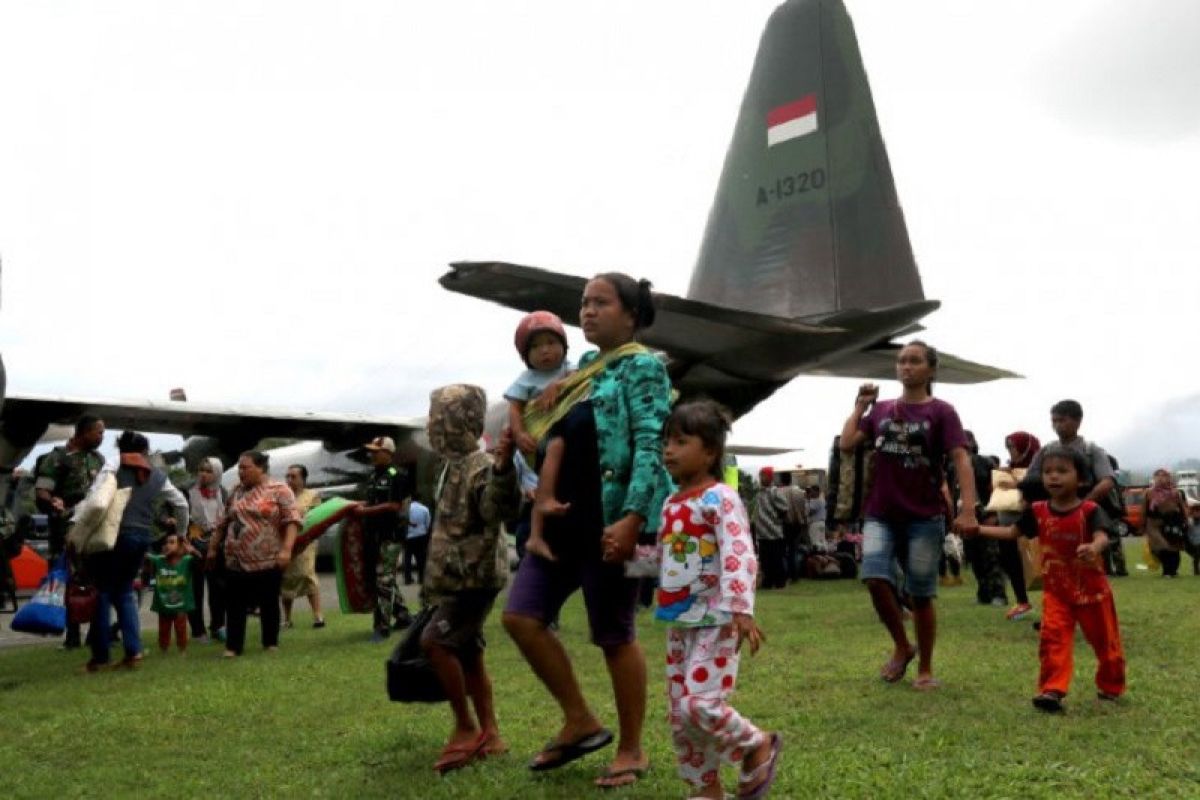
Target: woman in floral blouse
256	534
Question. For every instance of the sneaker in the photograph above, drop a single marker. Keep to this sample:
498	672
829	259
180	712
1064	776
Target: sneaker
999	602
1111	698
379	635
201	639
1050	702
219	634
319	623
1018	612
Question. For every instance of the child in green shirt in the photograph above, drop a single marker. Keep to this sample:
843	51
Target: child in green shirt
173	590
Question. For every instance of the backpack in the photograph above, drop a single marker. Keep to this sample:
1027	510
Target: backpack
1113	503
410	676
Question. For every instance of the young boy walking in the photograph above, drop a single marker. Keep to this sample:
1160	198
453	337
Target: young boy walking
1073	534
467	566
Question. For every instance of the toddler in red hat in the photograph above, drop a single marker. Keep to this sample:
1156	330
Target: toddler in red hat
542	342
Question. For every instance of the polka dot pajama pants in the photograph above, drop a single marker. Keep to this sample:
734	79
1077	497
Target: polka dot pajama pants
702	665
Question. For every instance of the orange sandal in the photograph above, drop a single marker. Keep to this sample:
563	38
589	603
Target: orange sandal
457	756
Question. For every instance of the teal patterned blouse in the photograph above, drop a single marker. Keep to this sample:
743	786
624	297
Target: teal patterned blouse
630	400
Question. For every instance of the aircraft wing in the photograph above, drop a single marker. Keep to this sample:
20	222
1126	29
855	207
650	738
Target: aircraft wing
758	450
878	362
685	329
26	416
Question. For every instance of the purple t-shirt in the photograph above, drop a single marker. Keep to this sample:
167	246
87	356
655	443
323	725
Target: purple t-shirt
911	443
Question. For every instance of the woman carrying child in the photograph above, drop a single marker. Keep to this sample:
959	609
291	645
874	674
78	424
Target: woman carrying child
609	487
1073	534
706	595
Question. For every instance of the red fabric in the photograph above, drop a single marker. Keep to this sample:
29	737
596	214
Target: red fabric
1026	445
139	464
1056	648
533	322
28	568
168	621
1062	572
794	110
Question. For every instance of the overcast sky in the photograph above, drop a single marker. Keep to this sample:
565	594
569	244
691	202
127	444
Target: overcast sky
254	200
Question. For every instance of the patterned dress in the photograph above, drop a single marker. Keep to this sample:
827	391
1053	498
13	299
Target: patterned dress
707	575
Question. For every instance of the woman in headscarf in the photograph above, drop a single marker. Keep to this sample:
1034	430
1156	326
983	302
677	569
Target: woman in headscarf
1165	521
207	499
611	485
300	578
114	570
1022	447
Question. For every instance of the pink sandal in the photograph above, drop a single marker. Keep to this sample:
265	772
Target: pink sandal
770	765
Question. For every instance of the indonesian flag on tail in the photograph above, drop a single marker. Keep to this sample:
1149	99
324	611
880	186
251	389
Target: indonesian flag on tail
792	120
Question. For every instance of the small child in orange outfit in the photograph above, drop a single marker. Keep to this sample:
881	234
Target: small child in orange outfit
1073	534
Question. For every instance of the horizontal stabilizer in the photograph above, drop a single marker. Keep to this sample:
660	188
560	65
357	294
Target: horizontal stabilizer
684	329
879	363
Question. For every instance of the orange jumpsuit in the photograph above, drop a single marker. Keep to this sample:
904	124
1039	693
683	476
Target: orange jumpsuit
1075	592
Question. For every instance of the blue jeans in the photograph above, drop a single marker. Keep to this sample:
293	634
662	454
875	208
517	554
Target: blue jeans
113	572
918	546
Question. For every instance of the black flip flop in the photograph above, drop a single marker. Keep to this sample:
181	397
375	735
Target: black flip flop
571	751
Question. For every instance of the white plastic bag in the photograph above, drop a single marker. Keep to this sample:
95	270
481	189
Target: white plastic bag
97	518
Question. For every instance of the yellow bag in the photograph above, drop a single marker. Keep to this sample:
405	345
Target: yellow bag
1005	494
1148	558
1031	562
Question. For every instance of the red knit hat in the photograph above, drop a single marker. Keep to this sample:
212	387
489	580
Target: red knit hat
534	322
766	476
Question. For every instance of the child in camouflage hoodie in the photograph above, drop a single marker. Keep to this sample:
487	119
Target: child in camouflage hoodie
467	565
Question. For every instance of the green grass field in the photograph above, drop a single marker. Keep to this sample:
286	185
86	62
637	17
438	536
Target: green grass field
313	720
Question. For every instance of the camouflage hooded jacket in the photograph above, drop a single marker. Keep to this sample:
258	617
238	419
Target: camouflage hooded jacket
467	549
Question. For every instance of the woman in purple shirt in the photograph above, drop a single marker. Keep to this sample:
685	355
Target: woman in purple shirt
905	511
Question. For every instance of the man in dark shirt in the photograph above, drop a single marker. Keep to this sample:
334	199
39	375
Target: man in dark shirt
63	477
385	527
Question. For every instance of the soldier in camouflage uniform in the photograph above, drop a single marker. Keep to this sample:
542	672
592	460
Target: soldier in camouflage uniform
62	479
385	526
468	564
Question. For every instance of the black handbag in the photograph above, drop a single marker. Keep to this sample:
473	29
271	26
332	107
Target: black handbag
410	676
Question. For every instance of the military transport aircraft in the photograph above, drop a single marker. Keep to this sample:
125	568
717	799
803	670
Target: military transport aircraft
805	266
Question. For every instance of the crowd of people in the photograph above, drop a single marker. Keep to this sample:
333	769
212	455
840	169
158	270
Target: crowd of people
621	483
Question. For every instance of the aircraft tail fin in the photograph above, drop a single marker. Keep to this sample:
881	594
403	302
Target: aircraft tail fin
806	220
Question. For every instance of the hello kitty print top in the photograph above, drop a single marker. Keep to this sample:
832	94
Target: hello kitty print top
708	559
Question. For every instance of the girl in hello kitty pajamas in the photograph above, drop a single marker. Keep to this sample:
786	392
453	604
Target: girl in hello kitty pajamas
706	595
